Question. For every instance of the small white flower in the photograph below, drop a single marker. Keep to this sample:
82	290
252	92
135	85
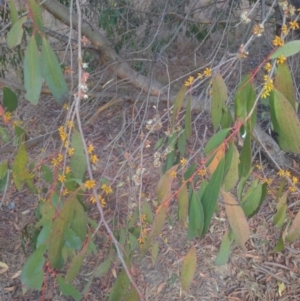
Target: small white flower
85	65
83	87
85	96
244	18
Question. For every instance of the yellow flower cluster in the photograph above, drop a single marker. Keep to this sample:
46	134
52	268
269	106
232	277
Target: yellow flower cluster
278	41
101	200
294	180
206	73
107	189
268	87
202	172
89	184
93	157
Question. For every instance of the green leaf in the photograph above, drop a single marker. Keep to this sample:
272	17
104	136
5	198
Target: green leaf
78	160
178	104
188	269
216	140
182	143
190	171
286	123
33	79
237	219
104	267
223	255
183	204
3	169
163	189
76	264
47	211
72	240
227	119
44	234
245	157
133	242
281	207
146	209
53	74
47	174
286	50
13	12
120	287
219	96
33	271
232	175
252	201
132	295
284	83
244	92
79	221
159	143
10	100
57	236
14	36
187	119
19	171
211	194
68	289
279	246
293	232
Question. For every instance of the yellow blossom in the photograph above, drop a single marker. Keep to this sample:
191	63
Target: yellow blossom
207	72
7	116
292	188
294	25
94	159
71	151
65	192
54	162
90	148
174	174
258	166
92	199
258	30
202	172
69	124
281	59
66	106
189	81
61	178
295	180
107	189
278	41
102	201
268	67
183	161
287	173
141	240
60	157
199	75
268	181
143	217
68	170
281	173
90	184
284	29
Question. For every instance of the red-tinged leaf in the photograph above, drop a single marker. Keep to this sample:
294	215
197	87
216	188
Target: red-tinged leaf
286	123
33	78
178	104
188	269
164	185
187	119
237	220
19	172
220	153
219	97
224	252
120	287
281	207
232	175
183	204
57	236
14	36
33	271
53	74
294	232
284	83
211	194
286	50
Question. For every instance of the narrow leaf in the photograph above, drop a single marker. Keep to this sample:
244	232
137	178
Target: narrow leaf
183	204
14	36
154	252
216	141
68	289
178	104
196	216
293	232
47	174
281	207
219	96
232	175
78	160
286	50
53	74
120	287
104	267
33	79
10	100
217	158
188	269
237	220
245	157
224	251
19	171
13	12
252	201
187	119
79	221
